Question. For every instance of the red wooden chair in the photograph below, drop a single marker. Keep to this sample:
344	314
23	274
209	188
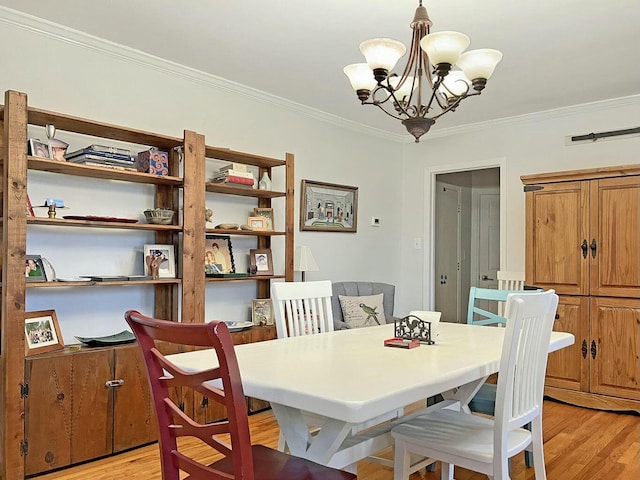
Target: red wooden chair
241	460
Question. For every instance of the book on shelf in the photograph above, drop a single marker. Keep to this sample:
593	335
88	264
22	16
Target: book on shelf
232	173
238	182
238	167
97	153
107	165
108	149
87	157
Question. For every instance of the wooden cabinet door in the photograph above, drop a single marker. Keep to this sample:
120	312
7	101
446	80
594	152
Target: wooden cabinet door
557	223
615	349
68	414
48	413
615	227
568	367
134	420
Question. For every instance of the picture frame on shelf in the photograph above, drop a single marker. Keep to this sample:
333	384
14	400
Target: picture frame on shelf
34	269
328	207
266	213
42	332
262	311
57	149
39	149
159	261
258	224
30	212
262	260
218	255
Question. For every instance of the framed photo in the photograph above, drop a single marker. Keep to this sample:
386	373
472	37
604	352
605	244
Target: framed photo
262	260
57	149
218	255
30	212
39	149
327	207
262	311
266	213
42	332
257	223
34	269
159	261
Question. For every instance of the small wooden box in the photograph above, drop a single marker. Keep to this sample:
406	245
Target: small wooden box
153	161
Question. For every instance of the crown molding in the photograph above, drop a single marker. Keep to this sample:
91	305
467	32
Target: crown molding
538	116
85	40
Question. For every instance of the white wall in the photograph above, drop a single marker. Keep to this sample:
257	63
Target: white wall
64	71
526	145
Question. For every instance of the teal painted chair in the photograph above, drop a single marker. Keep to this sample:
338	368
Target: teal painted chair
485	400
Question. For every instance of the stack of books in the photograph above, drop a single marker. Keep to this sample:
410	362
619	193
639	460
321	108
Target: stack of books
235	174
103	156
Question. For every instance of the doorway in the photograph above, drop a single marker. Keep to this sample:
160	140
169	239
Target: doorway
466	233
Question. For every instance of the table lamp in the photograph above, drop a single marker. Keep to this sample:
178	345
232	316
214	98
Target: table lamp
303	261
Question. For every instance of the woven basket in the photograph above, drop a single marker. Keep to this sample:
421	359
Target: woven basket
160	216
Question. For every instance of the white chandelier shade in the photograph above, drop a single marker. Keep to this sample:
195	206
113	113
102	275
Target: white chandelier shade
438	75
444	47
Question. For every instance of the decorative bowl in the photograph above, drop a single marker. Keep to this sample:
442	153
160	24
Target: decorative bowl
162	216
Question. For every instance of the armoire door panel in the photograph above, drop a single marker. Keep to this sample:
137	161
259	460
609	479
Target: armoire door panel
615	360
615	227
557	219
567	368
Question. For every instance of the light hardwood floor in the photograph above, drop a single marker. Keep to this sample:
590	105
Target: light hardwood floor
580	444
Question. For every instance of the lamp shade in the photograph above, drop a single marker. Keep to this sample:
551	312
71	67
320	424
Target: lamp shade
454	84
303	260
444	47
360	76
479	63
382	52
405	89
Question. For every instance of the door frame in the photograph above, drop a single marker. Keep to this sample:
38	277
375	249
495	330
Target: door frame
430	172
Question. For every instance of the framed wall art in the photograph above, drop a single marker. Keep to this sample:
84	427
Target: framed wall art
267	213
262	311
42	332
159	261
262	260
218	255
34	269
327	207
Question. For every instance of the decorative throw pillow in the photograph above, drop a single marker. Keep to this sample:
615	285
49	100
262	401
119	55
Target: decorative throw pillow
363	311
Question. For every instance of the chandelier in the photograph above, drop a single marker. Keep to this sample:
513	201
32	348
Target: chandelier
429	86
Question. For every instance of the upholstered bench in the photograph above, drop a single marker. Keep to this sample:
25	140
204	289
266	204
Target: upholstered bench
359	289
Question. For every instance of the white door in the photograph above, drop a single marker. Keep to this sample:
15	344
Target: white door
488	240
447	246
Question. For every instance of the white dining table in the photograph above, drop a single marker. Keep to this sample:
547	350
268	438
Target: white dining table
350	377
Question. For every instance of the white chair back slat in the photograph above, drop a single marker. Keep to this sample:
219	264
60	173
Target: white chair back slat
302	308
509	281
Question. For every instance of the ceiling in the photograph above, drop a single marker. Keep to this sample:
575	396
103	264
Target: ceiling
556	53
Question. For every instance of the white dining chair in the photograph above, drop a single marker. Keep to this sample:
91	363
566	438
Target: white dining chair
302	308
485	444
509	281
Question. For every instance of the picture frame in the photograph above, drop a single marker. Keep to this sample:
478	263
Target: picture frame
266	213
30	212
42	332
39	149
57	149
328	207
218	255
34	269
257	224
262	311
262	260
159	261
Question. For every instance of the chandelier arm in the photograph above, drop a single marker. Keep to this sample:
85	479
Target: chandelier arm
449	108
